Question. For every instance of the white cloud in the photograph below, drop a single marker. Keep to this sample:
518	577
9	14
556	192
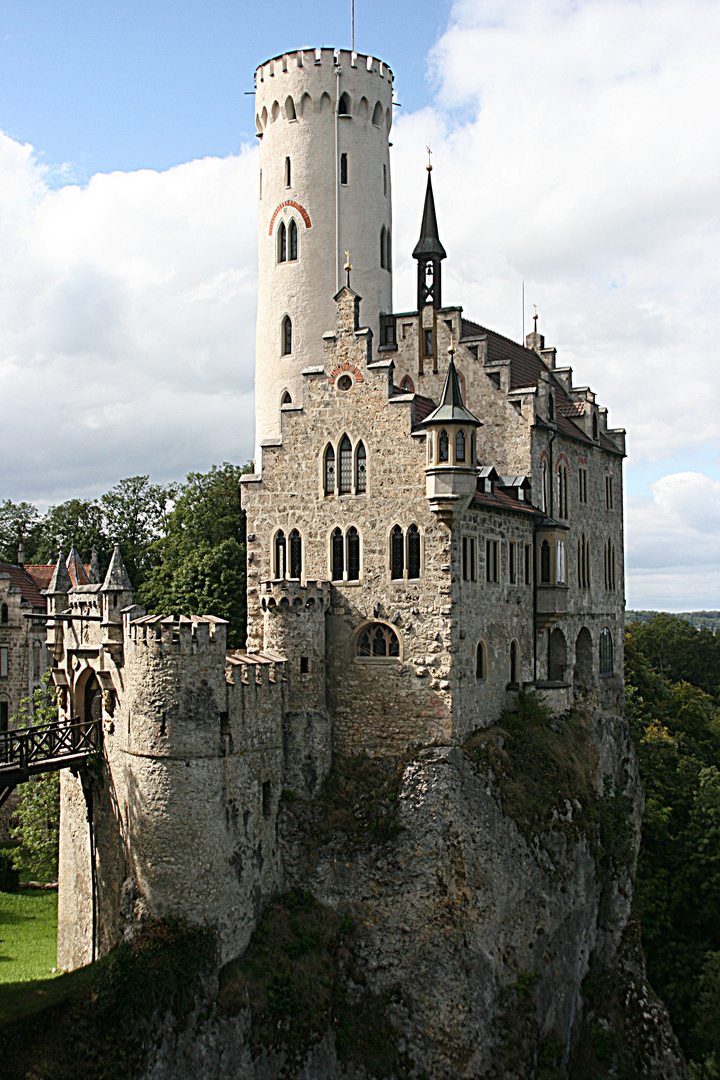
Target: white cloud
672	549
127	323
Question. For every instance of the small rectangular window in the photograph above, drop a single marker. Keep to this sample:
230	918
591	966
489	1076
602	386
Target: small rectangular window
465	573
428	342
343	169
491	560
473	559
288	173
3	663
609	492
528	564
384	179
582	485
224	723
304	665
512	568
266	798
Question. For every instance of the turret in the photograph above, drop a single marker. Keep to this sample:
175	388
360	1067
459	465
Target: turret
323	120
429	253
57	594
450	470
116	592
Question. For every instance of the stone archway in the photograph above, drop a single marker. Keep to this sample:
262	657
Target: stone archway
557	656
583	675
92	699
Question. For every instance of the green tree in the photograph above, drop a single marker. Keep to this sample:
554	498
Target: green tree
199	563
38	826
134	513
19	523
77	521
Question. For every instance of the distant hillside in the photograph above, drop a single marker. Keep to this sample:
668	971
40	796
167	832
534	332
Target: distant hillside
704	620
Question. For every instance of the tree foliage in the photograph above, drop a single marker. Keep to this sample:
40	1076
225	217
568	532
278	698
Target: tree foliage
39	809
673	672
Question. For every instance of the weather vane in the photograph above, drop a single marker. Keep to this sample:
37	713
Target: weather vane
429	164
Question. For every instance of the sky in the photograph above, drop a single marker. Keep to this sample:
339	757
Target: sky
576	146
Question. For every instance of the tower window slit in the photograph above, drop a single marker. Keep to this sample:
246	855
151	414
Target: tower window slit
353	554
361	472
413	545
329	471
343	168
280	554
287	336
288	173
337	555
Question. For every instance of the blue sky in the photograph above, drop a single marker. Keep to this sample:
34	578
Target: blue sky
135	85
576	148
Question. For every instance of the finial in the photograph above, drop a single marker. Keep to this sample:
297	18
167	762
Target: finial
347	267
535	318
429	164
451	348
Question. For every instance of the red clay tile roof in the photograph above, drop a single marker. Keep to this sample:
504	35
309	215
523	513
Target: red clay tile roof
570	408
43	572
500	500
21	579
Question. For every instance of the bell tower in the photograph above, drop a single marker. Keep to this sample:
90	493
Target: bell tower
429	253
323	120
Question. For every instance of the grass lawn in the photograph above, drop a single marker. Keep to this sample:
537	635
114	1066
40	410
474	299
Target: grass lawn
28	935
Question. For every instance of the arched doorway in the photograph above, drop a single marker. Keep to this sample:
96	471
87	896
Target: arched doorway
92	700
557	656
583	676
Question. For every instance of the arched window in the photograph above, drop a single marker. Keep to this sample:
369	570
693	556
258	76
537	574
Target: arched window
551	407
282	243
562	508
353	554
545	562
460	446
345	453
280	554
382	249
4	613
290	109
295	555
514	663
443	446
344	105
286	336
481	661
397	553
377	115
329	470
609	552
407	385
560	563
606	652
293	241
361	470
286	399
337	555
413	551
378	641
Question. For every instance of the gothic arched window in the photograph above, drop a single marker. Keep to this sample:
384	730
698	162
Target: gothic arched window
337	555
280	554
481	661
329	470
295	555
353	554
606	652
293	241
286	399
345	463
545	562
361	469
344	105
460	446
287	335
377	114
378	641
443	446
397	553
413	552
282	243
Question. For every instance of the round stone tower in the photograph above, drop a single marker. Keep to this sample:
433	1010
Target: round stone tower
323	119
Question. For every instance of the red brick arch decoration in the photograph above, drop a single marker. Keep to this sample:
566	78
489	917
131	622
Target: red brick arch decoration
296	206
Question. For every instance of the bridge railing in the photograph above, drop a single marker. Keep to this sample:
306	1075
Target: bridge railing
49	742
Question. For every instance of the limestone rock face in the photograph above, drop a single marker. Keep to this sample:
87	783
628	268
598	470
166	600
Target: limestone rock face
476	938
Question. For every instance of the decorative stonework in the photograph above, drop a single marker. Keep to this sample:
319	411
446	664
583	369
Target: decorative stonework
296	206
342	369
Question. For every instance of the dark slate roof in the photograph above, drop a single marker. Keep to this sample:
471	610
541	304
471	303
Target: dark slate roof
60	581
116	579
500	500
21	579
429	243
451	409
423	407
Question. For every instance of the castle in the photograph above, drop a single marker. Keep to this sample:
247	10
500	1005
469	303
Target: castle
434	523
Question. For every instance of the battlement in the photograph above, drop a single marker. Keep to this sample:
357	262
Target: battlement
308	60
178	634
281	596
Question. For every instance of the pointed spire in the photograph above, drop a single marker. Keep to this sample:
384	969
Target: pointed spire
451	409
60	581
429	246
75	567
116	579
